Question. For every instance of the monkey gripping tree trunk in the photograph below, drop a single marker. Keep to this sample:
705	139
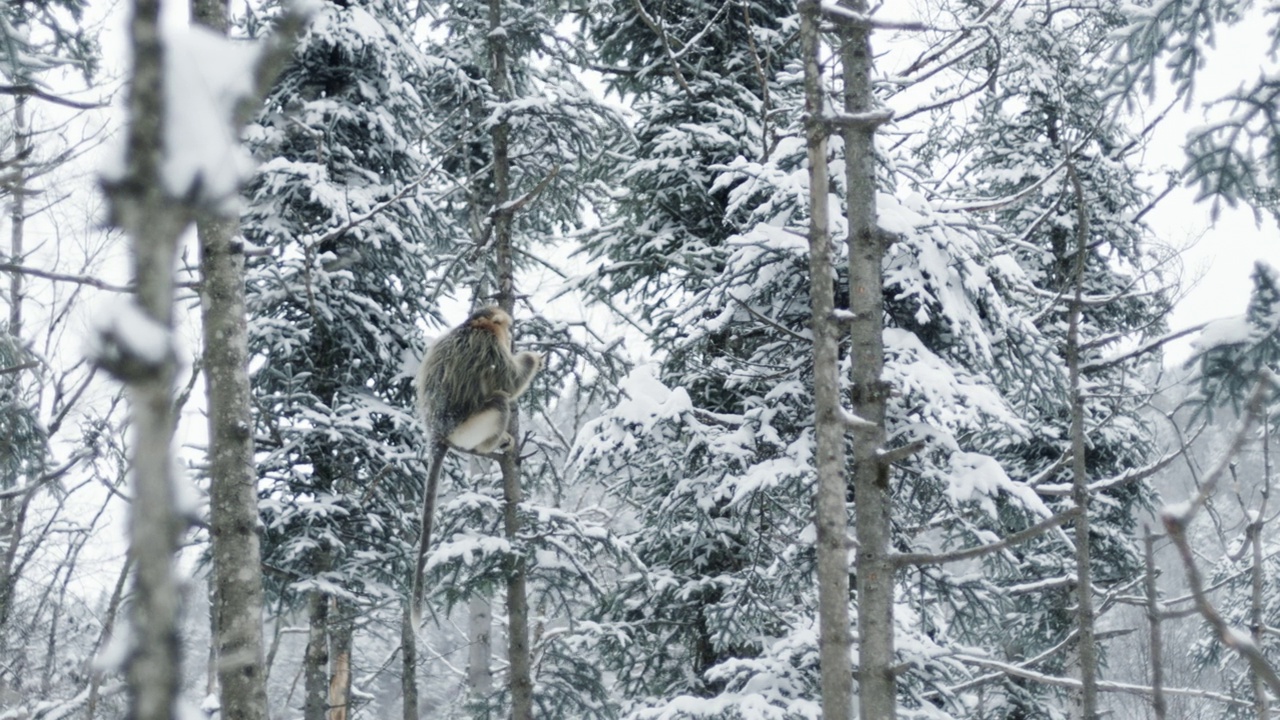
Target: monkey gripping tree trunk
518	652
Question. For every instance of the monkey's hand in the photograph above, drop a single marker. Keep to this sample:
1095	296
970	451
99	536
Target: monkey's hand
530	362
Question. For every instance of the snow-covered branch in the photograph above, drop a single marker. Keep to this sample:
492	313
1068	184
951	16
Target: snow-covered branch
1103	685
908	559
1129	476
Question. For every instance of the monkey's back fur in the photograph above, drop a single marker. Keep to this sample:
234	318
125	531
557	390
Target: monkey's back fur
466	369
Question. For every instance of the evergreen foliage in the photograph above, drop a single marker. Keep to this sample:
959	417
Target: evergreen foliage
667	451
1235	352
334	304
39	35
714	448
1232	158
1047	111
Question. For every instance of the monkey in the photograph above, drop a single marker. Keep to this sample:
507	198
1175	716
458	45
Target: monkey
467	387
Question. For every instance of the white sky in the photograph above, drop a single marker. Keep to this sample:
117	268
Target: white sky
1223	258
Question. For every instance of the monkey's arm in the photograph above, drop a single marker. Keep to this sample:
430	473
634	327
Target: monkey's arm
526	365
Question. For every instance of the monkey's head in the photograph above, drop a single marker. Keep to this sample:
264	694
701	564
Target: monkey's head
495	320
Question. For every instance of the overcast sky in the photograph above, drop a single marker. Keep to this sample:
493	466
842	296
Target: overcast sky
1223	258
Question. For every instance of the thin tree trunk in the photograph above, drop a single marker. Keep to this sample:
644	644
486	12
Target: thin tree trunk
18	213
1257	626
108	626
409	660
1086	643
877	696
342	627
233	497
518	653
153	222
10	526
480	651
832	514
315	671
1153	620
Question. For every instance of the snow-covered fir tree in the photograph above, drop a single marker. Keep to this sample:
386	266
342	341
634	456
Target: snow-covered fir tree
1045	151
714	444
526	126
342	269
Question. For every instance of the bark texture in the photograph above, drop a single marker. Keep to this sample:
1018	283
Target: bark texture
520	680
233	496
340	660
1086	647
1158	706
315	667
480	652
153	223
832	515
876	694
409	662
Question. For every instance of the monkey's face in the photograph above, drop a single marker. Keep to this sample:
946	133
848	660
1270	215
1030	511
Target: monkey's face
494	320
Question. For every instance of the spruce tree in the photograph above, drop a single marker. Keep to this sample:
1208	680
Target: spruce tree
341	268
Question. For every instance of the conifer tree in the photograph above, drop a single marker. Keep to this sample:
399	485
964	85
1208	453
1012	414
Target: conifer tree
521	144
972	330
340	273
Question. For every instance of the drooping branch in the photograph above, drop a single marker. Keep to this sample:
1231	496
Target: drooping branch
1040	528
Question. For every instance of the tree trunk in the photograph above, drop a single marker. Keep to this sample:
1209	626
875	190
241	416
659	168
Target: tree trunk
18	213
1086	642
480	652
409	660
10	526
518	654
316	659
153	223
832	515
1153	621
342	625
1258	624
233	496
876	694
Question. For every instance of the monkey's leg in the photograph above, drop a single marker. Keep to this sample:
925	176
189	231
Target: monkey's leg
486	430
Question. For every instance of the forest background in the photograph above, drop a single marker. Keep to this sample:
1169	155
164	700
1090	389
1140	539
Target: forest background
857	321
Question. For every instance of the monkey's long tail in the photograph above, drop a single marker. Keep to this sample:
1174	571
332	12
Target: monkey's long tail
428	517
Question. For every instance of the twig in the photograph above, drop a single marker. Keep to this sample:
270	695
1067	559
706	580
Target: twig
906	559
35	92
62	277
666	46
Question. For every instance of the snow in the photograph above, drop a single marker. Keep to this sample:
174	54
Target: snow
1226	331
123	330
206	76
979	477
646	400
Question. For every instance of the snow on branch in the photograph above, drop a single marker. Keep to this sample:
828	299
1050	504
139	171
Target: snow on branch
841	15
1103	685
212	84
1129	476
911	559
128	342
